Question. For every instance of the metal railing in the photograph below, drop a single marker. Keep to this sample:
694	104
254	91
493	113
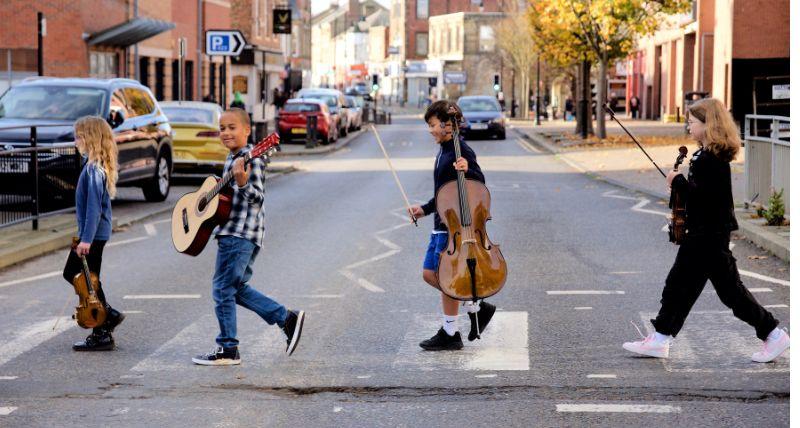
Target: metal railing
36	181
766	158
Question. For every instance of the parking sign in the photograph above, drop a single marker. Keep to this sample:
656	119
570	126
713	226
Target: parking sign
224	42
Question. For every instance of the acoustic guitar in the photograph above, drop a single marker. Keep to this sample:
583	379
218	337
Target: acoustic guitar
196	214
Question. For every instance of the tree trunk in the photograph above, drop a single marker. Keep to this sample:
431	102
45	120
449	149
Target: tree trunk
602	83
525	86
576	106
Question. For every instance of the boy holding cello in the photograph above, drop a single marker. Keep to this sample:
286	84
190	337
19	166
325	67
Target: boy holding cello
439	117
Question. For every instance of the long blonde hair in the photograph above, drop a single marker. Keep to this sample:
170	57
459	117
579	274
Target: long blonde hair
100	147
722	134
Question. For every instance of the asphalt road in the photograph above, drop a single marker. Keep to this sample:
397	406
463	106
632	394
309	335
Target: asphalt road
337	245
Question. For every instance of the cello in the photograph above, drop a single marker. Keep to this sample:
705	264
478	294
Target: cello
471	267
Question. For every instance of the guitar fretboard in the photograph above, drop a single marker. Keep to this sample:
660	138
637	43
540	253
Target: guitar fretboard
225	180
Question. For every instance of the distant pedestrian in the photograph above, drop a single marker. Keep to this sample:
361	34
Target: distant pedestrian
705	251
634	106
569	109
238	102
96	185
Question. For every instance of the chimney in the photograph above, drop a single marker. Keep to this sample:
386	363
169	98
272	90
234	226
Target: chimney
353	12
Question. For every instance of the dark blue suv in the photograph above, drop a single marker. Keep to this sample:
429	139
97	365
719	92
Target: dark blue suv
141	131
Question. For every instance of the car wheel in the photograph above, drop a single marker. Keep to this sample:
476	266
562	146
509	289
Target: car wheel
157	188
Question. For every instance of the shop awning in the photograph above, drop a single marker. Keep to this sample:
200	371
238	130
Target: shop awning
130	33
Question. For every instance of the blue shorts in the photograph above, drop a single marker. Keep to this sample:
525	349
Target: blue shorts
437	245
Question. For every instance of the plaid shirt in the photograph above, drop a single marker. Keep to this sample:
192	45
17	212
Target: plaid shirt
247	216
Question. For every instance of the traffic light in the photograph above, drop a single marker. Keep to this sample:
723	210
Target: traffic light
375	85
594	93
497	83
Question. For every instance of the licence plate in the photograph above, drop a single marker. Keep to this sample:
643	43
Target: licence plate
14	168
298	130
479	126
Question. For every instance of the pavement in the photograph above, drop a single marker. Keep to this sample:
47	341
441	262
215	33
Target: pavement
585	259
628	167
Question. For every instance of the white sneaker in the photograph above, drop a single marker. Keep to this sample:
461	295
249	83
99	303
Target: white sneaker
773	348
648	346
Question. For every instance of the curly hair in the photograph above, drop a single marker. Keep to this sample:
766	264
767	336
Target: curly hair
440	109
722	135
98	141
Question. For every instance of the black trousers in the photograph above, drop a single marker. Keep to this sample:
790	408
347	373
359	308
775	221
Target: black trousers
699	259
94	259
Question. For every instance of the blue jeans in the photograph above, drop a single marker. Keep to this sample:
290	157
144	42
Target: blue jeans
436	245
235	258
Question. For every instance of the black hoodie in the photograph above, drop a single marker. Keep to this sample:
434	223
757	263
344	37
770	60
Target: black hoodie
444	171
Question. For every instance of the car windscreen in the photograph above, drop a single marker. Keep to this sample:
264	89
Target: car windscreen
300	107
51	102
479	104
330	100
189	115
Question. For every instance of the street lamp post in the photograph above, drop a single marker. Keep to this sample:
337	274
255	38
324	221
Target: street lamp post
40	42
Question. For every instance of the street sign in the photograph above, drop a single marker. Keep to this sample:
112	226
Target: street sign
224	42
455	77
281	21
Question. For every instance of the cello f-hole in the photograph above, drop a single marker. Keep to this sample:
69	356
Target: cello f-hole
483	240
452	251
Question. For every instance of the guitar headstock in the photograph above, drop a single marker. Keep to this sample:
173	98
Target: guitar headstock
266	145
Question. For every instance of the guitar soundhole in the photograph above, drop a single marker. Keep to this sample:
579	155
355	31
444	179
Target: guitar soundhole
202	205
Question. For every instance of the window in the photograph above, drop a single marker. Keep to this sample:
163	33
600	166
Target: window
189	115
103	65
486	39
422	9
118	104
421	43
51	102
139	102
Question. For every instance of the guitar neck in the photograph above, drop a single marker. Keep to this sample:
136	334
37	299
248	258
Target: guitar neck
226	178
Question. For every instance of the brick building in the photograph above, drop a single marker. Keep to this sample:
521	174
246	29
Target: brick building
408	70
733	50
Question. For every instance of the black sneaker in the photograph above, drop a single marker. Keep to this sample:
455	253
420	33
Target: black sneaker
293	327
95	342
485	314
442	341
219	357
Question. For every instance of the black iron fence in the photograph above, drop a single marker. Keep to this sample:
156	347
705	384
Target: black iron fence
36	180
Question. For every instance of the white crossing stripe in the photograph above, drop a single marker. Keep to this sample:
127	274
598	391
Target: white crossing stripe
150	229
260	344
485	376
31	278
363	283
127	241
580	292
33	335
5	411
760	290
8	377
601	376
763	277
502	346
583	308
625	272
776	306
617	408
160	296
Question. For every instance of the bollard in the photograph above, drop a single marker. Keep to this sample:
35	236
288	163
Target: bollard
389	118
311	131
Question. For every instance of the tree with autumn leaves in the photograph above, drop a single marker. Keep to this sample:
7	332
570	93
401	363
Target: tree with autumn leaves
566	32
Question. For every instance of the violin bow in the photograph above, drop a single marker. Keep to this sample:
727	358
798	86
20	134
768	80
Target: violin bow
613	116
394	174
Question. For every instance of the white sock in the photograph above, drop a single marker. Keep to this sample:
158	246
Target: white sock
450	324
661	338
472	307
775	334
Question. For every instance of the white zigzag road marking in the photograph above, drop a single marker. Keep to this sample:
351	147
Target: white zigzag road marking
393	249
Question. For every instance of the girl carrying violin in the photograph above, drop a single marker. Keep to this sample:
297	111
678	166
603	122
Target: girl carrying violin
704	253
96	185
439	116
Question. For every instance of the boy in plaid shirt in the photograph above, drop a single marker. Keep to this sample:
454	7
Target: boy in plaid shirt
239	241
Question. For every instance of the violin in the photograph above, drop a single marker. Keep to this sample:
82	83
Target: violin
90	312
677	226
471	267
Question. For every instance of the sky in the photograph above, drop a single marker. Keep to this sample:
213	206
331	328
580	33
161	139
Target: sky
318	6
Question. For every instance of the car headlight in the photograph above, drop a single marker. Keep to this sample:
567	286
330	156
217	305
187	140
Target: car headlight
499	120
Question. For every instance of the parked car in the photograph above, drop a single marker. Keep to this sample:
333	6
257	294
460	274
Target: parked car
195	140
360	89
141	131
354	106
335	101
483	116
293	119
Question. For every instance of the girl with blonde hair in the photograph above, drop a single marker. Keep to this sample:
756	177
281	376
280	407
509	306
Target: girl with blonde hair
96	185
705	252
